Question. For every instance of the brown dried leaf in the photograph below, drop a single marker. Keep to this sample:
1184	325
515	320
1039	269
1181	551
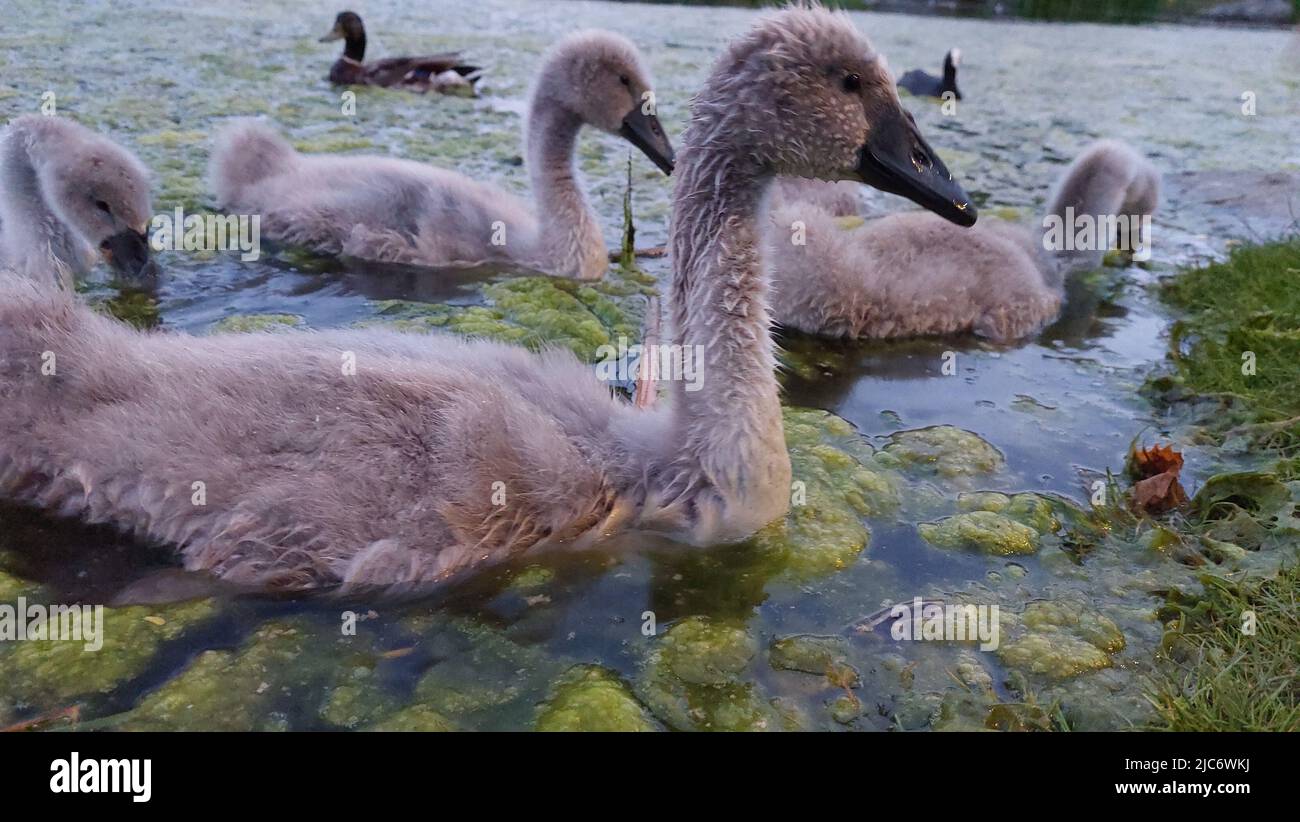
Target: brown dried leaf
1160	493
1145	463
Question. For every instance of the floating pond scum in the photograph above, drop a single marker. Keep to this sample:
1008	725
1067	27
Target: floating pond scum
938	470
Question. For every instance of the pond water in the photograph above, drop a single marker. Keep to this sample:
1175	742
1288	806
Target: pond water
505	650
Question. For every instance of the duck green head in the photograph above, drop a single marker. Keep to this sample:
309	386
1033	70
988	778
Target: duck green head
348	27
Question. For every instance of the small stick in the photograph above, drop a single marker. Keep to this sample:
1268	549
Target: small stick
628	252
653	252
72	713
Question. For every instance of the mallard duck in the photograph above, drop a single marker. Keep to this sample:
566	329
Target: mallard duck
69	197
379	208
368	457
437	72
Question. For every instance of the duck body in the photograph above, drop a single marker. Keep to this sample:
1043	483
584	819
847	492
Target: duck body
440	72
436	72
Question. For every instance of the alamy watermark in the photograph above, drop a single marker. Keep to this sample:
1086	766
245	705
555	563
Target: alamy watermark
946	622
179	231
60	623
667	363
1098	232
129	776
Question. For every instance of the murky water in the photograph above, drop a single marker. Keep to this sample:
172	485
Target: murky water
1061	409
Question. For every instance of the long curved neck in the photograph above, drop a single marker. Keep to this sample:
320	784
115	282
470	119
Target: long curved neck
354	46
731	427
569	242
34	241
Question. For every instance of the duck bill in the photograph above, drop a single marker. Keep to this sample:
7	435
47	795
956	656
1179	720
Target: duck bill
127	252
897	159
335	33
643	131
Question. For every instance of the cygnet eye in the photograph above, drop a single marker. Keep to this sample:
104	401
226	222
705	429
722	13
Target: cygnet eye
853	83
624	79
103	206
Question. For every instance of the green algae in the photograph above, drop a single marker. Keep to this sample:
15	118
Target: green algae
534	576
172	139
591	698
484	672
808	358
535	312
250	689
1058	656
972	673
914	709
12	587
50	673
944	451
342	140
692	680
414	718
734	706
984	531
281	675
253	323
845	709
1097	630
700	651
135	308
994	523
837	482
1032	510
1060	640
358	701
809	654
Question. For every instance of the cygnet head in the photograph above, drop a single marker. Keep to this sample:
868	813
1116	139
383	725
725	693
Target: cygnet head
101	192
599	77
804	94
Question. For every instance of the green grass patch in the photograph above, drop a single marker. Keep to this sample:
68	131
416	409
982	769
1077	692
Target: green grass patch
1231	651
1224	677
1240	339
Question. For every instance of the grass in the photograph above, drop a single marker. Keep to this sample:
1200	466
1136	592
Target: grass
1244	311
1231	680
1220	677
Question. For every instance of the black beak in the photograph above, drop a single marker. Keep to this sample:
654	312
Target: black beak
128	253
643	131
897	159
